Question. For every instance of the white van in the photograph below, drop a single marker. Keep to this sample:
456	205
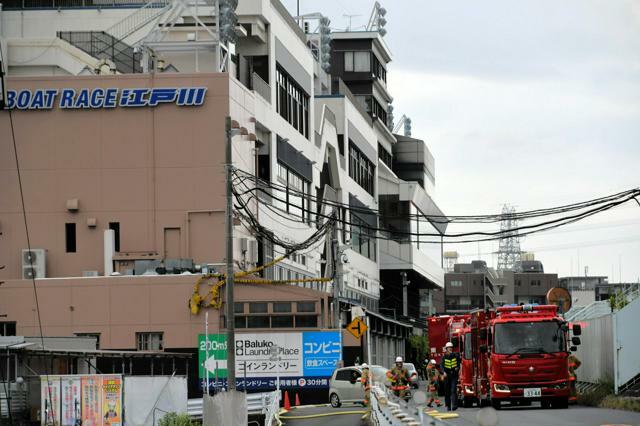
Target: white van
345	386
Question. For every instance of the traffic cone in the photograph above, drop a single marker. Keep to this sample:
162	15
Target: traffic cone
297	400
287	404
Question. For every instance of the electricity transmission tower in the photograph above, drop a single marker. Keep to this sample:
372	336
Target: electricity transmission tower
509	248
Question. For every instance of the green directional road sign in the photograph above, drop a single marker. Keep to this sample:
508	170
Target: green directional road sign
217	351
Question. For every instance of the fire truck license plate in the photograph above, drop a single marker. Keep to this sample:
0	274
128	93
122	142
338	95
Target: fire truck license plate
532	393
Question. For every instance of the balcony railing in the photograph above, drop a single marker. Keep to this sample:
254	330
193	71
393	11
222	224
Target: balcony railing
261	87
101	45
69	4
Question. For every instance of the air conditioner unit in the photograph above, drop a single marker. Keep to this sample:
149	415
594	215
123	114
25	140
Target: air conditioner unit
90	273
34	263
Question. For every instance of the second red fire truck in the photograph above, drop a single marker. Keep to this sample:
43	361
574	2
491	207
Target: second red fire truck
515	354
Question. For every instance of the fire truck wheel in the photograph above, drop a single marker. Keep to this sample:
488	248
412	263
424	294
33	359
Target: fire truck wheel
467	402
545	403
495	403
560	403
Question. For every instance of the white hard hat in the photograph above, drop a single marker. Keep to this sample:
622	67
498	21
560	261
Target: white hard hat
399	359
364	365
448	345
433	361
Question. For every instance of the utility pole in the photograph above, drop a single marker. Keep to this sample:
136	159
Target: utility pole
405	285
231	332
337	280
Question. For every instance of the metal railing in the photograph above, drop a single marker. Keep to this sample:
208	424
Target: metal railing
386	412
593	310
261	87
139	18
101	45
69	4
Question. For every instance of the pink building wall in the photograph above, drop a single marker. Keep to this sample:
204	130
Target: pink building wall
158	171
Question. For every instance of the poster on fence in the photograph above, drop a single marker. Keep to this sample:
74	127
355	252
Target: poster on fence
50	397
71	401
112	400
91	400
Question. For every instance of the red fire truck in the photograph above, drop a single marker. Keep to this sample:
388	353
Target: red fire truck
514	354
443	329
528	350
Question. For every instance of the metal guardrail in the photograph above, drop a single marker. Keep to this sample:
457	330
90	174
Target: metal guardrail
267	403
385	412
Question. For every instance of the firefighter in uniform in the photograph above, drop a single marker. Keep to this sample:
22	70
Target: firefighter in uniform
433	379
574	363
366	385
451	368
399	377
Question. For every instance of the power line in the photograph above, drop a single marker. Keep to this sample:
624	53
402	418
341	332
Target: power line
26	229
530	229
486	218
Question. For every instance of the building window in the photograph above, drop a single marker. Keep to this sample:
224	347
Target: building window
94	335
70	237
292	102
535	283
282	321
281	306
306	321
385	156
258	321
378	69
363	238
115	226
150	341
296	198
240	321
238	307
258	307
374	108
361	169
305	306
357	61
518	283
455	283
7	328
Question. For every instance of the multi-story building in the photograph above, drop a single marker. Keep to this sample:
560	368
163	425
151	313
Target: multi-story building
410	268
115	195
474	285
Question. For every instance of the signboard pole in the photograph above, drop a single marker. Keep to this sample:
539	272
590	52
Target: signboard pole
206	349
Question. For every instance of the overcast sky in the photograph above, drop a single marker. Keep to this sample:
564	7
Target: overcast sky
531	102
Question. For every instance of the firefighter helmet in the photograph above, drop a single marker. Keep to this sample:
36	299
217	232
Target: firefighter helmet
399	359
449	345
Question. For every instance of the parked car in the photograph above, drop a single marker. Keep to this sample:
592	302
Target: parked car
414	379
345	386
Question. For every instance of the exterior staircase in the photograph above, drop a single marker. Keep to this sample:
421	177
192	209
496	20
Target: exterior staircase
102	45
151	10
110	44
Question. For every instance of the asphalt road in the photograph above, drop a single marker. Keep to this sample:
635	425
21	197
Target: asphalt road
536	416
520	416
347	415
